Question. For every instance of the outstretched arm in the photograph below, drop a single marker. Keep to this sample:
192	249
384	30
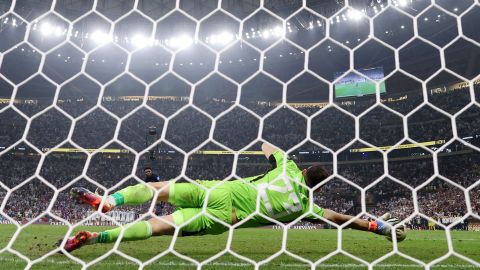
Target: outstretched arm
358	224
268	149
337	218
375	226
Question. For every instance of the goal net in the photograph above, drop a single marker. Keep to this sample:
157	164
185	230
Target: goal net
382	93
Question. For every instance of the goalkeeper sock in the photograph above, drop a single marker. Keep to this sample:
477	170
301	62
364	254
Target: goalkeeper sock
379	227
132	195
134	231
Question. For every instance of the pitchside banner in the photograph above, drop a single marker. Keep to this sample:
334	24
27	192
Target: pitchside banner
224	152
299	227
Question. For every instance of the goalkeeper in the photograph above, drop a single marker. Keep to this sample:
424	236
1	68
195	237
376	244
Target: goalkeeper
280	198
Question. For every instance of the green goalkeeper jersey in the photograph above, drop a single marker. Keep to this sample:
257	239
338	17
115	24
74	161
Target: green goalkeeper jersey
281	195
281	198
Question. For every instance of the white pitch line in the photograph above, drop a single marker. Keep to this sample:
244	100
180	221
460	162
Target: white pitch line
287	265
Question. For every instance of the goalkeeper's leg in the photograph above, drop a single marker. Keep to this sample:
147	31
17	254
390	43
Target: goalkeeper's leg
188	195
190	221
134	231
131	195
382	226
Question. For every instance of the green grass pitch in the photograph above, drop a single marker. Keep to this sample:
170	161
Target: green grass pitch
256	244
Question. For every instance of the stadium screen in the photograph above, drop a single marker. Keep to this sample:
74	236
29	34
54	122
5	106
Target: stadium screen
355	85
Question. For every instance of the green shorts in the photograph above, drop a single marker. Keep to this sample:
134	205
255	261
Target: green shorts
189	199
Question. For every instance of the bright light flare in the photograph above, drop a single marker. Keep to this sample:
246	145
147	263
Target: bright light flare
221	39
139	40
58	31
278	31
402	3
354	14
100	37
181	41
265	34
46	29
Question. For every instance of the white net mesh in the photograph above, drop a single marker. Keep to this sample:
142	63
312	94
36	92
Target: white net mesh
382	93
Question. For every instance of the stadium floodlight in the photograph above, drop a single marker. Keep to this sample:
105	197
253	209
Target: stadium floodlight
139	41
179	42
354	14
58	31
222	38
402	3
226	37
266	34
279	31
46	28
100	37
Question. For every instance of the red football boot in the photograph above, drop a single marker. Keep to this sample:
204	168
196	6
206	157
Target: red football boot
85	196
78	240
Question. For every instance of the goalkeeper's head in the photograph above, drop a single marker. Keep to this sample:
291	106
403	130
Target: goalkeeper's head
314	175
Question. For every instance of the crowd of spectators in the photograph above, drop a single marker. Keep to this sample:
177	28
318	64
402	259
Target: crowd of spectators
190	129
437	199
191	126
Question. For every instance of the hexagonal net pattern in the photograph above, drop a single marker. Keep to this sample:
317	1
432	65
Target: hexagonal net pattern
382	93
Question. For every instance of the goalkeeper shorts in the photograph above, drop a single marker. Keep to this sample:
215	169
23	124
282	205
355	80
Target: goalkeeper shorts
189	199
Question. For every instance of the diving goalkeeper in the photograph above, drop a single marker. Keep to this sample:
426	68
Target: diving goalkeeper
280	198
